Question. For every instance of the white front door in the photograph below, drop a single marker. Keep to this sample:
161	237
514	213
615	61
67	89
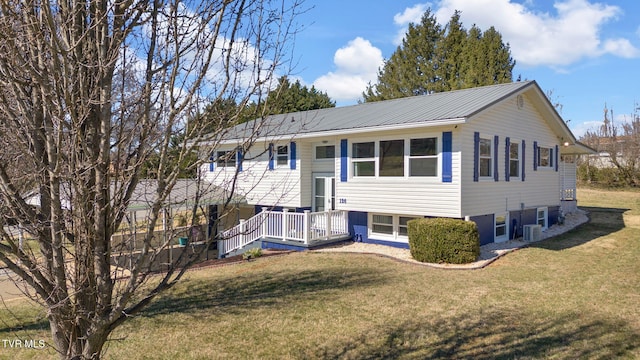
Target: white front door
324	192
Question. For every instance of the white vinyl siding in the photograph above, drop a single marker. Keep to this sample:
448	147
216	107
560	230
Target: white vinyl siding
493	197
261	186
409	195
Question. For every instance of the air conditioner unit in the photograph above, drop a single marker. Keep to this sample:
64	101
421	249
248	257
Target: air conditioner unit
532	232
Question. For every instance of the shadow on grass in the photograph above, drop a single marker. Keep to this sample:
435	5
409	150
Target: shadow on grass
262	289
602	222
492	335
7	331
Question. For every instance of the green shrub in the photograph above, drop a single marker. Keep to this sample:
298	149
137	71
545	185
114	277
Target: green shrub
252	253
444	240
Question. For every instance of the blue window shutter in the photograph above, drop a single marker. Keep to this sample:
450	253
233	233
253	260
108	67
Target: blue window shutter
535	156
239	159
292	155
343	160
524	166
447	167
496	143
476	156
557	156
271	163
507	158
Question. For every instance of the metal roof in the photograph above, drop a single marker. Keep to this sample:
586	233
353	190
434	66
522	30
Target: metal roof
183	194
437	107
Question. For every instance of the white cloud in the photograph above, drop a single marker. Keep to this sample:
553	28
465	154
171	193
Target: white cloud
409	15
580	129
622	48
557	39
356	65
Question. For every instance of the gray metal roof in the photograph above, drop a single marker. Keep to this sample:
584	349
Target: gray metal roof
144	195
183	194
452	105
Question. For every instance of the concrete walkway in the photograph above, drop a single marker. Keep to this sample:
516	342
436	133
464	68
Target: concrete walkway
488	253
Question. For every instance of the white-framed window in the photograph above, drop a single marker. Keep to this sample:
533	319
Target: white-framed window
402	225
389	227
382	224
325	152
545	157
501	227
542	217
391	158
282	155
423	157
406	157
363	158
485	165
226	159
514	159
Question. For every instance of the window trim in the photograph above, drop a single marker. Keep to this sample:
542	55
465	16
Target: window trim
406	157
223	161
380	158
278	156
410	157
355	160
551	164
385	224
491	157
327	159
518	143
545	220
395	223
506	236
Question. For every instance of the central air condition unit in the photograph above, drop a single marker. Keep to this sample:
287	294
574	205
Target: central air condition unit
532	232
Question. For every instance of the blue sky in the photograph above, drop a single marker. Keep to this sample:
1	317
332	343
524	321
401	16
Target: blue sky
586	53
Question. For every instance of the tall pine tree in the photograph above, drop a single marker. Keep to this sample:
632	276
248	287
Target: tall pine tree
436	59
290	97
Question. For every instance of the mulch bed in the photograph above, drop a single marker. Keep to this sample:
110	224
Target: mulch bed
237	259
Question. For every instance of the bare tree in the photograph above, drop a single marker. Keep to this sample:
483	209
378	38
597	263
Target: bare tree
89	89
620	141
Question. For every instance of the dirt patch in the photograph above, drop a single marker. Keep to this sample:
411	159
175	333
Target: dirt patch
631	220
237	259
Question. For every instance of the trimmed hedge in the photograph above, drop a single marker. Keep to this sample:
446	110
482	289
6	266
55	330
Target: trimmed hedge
444	240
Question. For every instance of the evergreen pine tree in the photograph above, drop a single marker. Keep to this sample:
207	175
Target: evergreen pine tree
436	59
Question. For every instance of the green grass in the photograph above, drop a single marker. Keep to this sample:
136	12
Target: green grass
573	296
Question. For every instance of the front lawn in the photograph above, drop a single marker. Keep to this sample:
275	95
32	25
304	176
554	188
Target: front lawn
573	296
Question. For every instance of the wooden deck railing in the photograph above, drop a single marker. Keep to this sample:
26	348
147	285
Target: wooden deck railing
306	228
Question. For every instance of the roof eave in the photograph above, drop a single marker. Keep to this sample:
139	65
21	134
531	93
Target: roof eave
351	131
